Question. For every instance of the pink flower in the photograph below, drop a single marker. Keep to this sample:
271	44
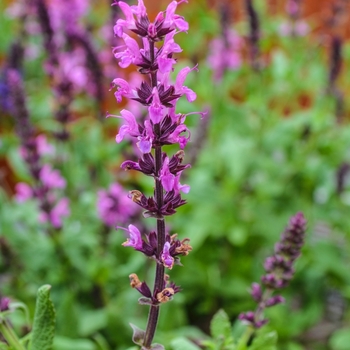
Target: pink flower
58	212
225	55
131	126
134	239
156	109
43	146
166	258
166	177
298	28
114	206
178	187
51	178
23	192
165	63
123	89
130	55
129	12
173	20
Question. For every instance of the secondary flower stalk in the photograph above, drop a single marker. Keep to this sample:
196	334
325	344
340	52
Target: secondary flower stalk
254	34
279	271
162	126
46	179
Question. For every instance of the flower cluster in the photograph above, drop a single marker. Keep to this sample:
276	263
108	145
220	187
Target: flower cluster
167	292
169	256
279	271
72	63
154	54
295	26
225	53
46	179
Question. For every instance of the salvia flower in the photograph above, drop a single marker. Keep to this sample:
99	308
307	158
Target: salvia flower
162	126
279	270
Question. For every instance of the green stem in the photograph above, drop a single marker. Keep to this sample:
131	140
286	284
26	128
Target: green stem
10	336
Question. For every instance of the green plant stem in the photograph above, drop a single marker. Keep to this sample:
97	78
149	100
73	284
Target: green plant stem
10	336
251	332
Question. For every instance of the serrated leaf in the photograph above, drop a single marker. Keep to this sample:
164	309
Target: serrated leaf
265	341
44	321
220	326
183	344
138	334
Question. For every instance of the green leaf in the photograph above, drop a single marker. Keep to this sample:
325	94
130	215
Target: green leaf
92	321
340	339
220	326
3	346
265	341
63	343
44	321
183	344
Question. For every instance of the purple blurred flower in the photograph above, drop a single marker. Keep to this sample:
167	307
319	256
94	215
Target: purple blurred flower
114	206
299	28
51	178
58	212
23	192
65	14
44	148
4	304
225	55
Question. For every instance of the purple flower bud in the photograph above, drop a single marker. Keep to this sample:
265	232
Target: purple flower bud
277	299
4	304
248	317
256	292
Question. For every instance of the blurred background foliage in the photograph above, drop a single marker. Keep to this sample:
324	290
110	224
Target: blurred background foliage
276	140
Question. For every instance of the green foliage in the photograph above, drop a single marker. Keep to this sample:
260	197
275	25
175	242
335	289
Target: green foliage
44	321
183	344
273	147
340	339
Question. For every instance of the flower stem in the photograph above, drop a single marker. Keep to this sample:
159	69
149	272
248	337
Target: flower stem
159	278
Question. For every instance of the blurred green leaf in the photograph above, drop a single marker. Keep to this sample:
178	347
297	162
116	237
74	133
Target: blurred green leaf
44	321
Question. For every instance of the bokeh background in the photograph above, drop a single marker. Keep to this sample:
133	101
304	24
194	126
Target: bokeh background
275	141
